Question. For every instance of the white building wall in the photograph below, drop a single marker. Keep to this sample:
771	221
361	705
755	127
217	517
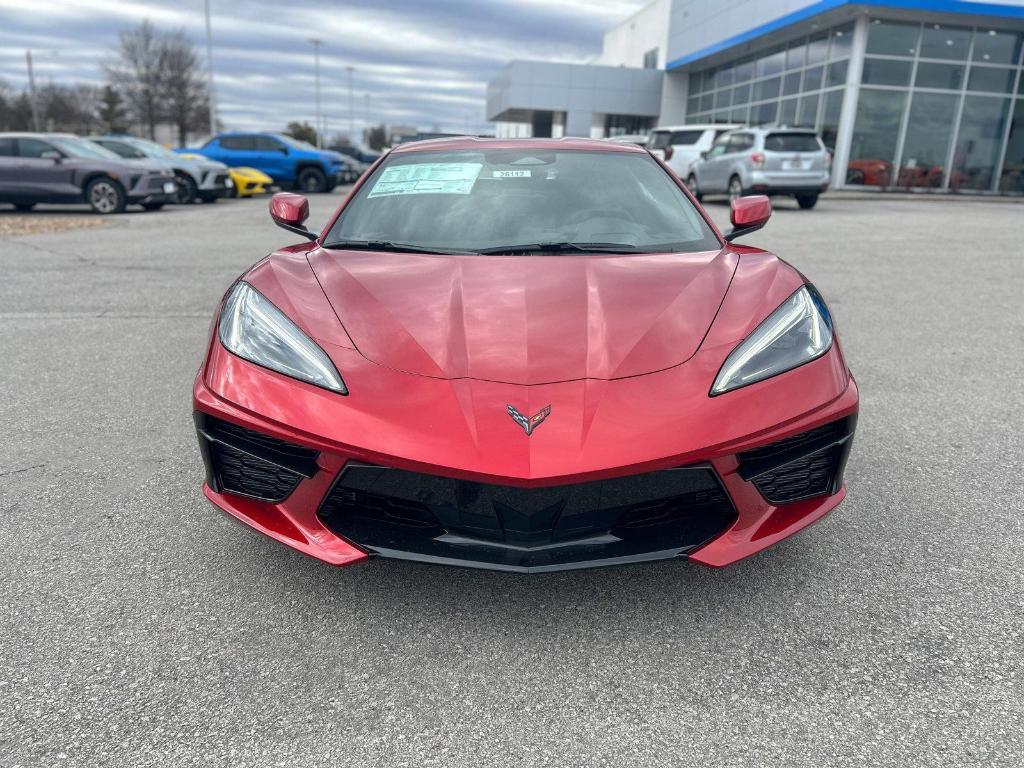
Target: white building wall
647	29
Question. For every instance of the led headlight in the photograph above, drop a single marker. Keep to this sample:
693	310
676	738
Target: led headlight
254	329
796	333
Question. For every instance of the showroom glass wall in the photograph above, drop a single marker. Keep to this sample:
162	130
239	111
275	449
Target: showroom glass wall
799	84
940	107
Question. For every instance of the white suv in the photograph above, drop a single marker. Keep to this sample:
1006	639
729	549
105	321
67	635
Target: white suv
680	145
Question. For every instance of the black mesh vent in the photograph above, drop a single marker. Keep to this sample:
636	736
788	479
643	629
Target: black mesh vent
409	514
246	475
802	466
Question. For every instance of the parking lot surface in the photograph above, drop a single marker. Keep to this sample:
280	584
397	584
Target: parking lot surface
140	626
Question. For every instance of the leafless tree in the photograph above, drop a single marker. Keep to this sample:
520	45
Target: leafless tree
138	72
184	88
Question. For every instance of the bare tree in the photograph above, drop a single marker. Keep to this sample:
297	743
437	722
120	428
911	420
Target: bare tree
137	72
301	131
73	108
185	99
111	111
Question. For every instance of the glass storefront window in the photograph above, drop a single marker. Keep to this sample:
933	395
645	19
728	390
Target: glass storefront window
929	132
994	47
817	49
992	79
842	42
978	143
724	77
939	42
812	78
739	114
830	112
890	38
791	84
886	71
1012	177
807	116
767	89
837	73
772	64
932	75
875	133
762	114
795	56
744	71
706	102
741	94
787	112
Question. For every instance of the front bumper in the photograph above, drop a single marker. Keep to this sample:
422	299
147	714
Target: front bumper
216	183
387	493
152	188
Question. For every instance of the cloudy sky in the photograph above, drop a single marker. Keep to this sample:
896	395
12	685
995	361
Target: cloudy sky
419	62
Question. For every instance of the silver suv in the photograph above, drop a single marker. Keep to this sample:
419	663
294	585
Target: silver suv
764	161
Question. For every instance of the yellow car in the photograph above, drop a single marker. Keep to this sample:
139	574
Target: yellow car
247	181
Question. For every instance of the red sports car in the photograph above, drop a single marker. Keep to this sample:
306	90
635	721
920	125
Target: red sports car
525	355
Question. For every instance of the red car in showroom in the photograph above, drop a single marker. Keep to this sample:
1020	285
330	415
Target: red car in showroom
524	355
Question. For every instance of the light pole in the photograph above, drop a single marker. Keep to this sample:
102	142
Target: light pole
32	91
317	42
351	109
209	74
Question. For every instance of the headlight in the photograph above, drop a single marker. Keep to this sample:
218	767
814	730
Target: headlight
796	333
256	330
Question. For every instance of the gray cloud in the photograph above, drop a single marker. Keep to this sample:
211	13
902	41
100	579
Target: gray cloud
422	62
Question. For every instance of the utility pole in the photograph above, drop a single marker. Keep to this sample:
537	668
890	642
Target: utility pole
317	42
34	102
351	108
209	73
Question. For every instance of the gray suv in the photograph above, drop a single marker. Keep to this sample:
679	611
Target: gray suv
61	168
764	161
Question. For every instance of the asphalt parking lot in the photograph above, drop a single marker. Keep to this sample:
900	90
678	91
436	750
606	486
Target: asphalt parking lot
140	626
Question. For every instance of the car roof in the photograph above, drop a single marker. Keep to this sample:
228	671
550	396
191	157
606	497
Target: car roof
699	127
477	143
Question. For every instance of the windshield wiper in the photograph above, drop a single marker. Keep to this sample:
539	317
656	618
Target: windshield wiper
386	245
561	248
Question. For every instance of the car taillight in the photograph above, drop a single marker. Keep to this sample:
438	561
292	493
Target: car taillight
757	159
668	153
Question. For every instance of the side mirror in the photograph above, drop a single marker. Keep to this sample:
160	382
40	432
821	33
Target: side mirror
52	154
748	214
704	155
290	211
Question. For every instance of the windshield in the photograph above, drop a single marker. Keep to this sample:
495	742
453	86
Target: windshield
82	148
477	200
152	149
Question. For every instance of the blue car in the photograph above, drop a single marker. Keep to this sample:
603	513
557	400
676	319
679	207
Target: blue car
289	162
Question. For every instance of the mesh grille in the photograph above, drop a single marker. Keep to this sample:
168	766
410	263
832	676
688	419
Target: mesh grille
246	475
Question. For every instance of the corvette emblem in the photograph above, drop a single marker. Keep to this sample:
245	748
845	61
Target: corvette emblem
528	423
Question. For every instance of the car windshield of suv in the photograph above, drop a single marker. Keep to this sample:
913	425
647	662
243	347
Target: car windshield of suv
152	149
792	142
84	149
494	201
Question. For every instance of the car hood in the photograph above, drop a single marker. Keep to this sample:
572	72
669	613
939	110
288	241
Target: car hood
529	319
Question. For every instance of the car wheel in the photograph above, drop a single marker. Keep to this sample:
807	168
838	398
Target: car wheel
208	199
691	183
806	202
105	195
735	188
152	206
187	189
312	181
24	207
855	176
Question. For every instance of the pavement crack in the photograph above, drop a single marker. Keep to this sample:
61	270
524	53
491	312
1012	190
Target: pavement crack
22	469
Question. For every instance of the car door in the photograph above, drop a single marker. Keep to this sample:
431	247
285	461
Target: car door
8	168
712	175
235	151
685	150
274	155
44	173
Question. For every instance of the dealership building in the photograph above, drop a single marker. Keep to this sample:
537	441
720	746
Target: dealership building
908	94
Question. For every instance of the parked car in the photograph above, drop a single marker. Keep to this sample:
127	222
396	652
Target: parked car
289	162
367	156
526	355
681	145
61	168
246	182
197	179
764	161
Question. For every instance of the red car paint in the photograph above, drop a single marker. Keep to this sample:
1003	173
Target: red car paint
432	357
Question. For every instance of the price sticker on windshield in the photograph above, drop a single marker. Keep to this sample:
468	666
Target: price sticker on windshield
427	179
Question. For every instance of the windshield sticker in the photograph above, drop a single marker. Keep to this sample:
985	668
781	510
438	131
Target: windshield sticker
427	179
511	174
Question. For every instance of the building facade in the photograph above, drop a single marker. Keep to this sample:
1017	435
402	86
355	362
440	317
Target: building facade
909	94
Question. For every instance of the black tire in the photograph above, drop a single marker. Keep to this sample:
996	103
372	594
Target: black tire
105	195
691	184
806	202
152	206
208	199
735	188
24	207
187	189
312	181
855	176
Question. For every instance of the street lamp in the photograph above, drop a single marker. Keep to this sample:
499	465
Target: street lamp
317	42
351	109
209	74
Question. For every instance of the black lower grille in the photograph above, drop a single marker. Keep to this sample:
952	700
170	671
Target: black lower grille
425	517
248	463
802	466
